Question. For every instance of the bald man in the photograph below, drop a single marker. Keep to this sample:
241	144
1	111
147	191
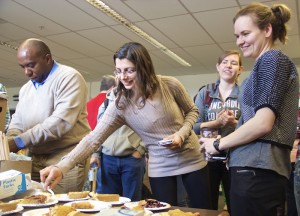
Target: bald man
50	117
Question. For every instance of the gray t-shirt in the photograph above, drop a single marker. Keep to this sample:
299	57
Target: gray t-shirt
209	112
273	83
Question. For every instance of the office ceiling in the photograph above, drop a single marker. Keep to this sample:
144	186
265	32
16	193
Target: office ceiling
81	36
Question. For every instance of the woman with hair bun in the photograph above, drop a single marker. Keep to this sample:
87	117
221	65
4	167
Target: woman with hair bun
260	146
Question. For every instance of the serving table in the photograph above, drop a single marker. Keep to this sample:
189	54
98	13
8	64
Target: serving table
203	212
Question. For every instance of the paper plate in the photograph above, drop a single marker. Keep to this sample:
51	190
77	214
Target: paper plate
52	201
130	205
98	205
18	209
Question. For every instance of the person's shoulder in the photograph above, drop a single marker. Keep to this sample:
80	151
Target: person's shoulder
169	80
273	54
68	72
274	57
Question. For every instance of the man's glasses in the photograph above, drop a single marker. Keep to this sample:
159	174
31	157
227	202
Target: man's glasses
128	72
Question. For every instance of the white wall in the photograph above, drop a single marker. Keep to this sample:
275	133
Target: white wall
10	92
191	82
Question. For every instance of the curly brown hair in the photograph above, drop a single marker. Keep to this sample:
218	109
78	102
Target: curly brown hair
147	80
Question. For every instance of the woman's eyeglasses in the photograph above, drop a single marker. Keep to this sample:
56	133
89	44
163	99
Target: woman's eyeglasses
128	72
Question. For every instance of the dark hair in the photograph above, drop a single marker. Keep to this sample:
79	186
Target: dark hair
262	15
230	52
147	80
107	82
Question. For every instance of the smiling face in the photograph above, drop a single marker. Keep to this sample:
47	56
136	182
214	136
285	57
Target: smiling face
35	65
229	68
252	41
127	73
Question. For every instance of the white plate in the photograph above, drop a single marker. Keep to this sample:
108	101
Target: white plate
65	198
98	206
36	212
115	211
18	209
130	205
52	201
121	201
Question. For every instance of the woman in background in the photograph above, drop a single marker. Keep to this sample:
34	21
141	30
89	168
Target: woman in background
222	114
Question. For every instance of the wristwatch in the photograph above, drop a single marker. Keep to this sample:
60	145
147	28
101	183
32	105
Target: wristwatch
216	144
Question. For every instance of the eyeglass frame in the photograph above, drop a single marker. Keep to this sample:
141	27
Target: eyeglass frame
127	71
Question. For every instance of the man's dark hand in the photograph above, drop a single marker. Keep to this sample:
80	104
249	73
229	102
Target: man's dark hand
12	145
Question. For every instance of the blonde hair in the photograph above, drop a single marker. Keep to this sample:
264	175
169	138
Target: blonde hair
277	15
228	53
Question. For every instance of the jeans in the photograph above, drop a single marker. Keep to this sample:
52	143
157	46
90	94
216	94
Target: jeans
297	185
121	175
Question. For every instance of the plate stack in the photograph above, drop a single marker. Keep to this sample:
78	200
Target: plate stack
4	148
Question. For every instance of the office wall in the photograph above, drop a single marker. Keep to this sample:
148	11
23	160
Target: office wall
191	82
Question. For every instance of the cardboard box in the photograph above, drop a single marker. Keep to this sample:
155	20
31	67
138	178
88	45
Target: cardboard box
21	166
3	107
12	182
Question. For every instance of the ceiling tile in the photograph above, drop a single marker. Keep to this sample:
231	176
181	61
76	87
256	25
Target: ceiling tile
80	44
151	10
56	11
82	36
197	6
21	16
94	12
14	32
105	36
218	23
177	27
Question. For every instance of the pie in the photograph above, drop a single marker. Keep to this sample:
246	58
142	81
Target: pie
177	212
35	199
8	206
82	205
63	210
150	203
60	210
107	197
78	195
77	213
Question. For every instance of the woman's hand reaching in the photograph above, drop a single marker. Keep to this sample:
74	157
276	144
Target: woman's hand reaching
50	176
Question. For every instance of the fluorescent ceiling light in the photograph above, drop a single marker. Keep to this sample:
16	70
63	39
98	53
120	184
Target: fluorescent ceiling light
110	12
8	45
